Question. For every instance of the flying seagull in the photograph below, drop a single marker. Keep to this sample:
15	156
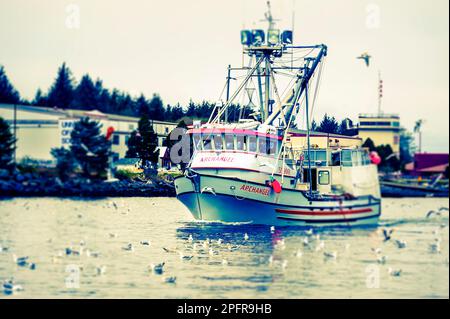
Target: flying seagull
366	57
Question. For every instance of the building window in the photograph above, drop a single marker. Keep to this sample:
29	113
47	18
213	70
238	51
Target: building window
396	140
131	127
324	177
127	137
115	157
116	139
167	130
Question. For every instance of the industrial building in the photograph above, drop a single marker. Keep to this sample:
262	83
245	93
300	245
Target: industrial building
381	128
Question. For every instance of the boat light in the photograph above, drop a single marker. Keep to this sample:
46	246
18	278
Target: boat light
273	36
286	37
258	37
246	37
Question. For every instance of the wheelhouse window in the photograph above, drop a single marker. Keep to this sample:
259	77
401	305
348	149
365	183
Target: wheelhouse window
318	157
324	177
207	142
218	143
262	145
229	141
346	158
197	139
241	142
252	144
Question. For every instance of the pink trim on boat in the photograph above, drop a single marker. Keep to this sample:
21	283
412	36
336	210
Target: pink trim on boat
323	213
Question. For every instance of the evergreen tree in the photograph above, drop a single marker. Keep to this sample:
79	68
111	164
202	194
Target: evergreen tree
313	126
6	146
156	108
86	95
134	144
8	93
89	147
177	113
39	99
61	92
149	142
65	162
328	125
406	147
142	106
369	144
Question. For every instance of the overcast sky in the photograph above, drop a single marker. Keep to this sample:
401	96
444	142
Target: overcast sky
180	49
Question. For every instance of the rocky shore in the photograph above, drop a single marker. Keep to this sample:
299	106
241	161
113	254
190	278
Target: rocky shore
31	184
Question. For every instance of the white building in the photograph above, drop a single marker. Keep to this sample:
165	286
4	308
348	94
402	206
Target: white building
39	129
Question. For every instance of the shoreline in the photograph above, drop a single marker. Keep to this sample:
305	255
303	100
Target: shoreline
53	187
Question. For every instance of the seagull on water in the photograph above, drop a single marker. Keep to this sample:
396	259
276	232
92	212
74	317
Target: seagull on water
400	243
381	259
20	261
224	262
145	243
100	270
170	280
190	239
185	257
9	287
433	212
394	272
246	236
272	229
157	268
330	255
436	246
128	247
387	234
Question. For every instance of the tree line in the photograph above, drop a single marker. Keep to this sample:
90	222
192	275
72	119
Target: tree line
87	94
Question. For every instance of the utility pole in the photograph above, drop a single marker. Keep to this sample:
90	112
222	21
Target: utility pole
15	132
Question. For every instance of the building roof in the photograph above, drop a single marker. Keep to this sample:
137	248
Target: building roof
76	113
434	169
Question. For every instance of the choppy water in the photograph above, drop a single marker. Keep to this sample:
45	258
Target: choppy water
42	228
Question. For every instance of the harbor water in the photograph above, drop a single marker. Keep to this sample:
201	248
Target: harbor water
104	248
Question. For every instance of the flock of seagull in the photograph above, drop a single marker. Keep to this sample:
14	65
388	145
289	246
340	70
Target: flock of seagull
214	248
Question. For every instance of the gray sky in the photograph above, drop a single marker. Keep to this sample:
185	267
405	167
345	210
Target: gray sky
180	49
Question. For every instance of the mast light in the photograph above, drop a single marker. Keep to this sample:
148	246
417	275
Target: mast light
258	37
246	37
273	36
286	37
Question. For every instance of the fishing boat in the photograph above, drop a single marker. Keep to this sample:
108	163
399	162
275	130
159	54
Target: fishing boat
260	163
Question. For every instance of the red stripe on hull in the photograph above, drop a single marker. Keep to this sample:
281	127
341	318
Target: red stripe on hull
324	213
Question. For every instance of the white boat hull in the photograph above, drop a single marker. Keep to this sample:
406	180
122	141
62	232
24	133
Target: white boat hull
228	199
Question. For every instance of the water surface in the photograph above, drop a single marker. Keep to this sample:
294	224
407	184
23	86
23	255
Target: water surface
260	267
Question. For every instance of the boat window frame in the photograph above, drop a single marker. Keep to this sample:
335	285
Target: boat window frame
218	137
319	177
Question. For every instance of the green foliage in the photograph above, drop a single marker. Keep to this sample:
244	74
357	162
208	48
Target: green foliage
149	142
328	125
6	146
8	93
133	144
406	147
61	92
90	148
65	162
368	143
126	175
142	143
